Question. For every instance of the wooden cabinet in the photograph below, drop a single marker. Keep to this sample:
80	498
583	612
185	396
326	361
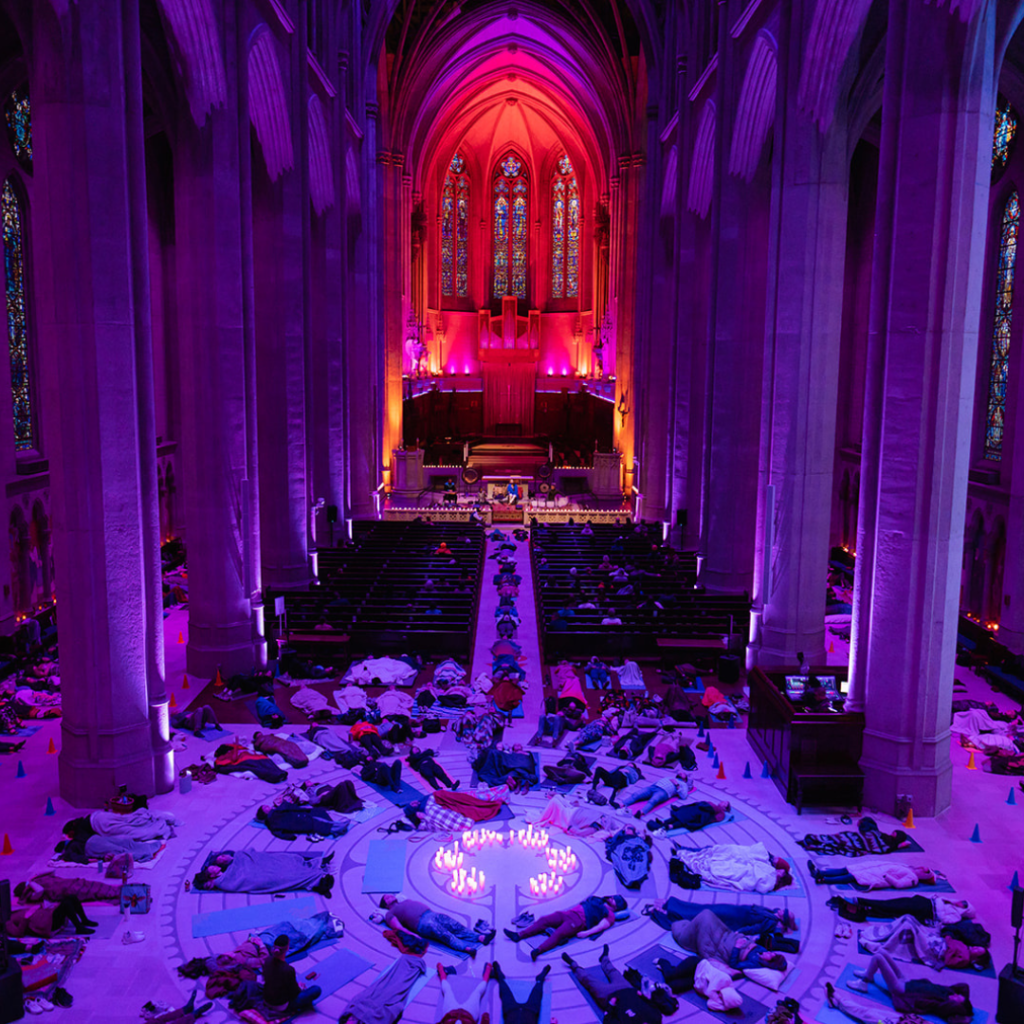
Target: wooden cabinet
812	755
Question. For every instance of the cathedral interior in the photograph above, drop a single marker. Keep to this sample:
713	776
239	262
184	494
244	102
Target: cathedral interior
615	398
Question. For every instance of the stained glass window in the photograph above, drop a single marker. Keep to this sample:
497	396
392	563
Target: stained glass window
1003	135
18	118
996	419
511	228
455	230
565	232
17	314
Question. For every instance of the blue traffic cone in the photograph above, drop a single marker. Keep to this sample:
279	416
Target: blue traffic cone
732	723
1012	798
21	771
714	764
49	808
976	835
700	731
1015	884
765	773
746	772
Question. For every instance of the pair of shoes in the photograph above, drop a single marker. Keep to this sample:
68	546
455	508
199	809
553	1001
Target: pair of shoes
857	984
62	997
131	937
844	930
488	937
568	959
514	936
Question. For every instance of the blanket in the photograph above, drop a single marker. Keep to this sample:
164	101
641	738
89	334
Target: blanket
386	670
732	866
261	871
142	824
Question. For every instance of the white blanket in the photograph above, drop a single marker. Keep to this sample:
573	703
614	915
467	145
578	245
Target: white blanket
387	670
731	866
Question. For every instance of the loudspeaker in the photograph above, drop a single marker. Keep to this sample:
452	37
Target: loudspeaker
681	517
5	902
1016	909
728	668
1010	1009
332	513
12	999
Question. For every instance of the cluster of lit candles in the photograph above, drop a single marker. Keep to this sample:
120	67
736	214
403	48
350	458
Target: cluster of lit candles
466	884
561	860
448	861
479	840
545	885
530	840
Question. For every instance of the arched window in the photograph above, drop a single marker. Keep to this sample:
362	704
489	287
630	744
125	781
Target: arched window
1003	136
455	230
17	313
511	199
565	232
1000	364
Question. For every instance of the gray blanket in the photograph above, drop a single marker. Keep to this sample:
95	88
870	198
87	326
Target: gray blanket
254	871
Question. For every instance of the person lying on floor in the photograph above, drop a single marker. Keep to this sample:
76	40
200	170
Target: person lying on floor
926	909
867	840
187	1014
585	920
630	855
671	747
734	866
262	871
418	919
494	766
462	1011
710	938
574	817
874	875
916	995
617	779
905	938
269	744
616	997
289	821
655	793
380	774
692	817
82	845
51	886
751	919
424	762
513	1011
44	921
568	771
445	811
194	720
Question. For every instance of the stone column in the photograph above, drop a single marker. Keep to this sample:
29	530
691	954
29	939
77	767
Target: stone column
736	346
925	306
90	268
221	498
806	253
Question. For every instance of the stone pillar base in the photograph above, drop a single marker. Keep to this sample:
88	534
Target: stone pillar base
87	781
930	785
773	650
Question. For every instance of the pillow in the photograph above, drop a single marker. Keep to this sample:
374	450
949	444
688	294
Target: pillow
766	976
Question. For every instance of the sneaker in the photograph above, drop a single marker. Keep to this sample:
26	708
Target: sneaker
132	937
488	938
44	1004
514	936
857	985
33	1006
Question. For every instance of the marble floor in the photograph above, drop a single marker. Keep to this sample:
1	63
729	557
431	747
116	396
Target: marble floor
112	980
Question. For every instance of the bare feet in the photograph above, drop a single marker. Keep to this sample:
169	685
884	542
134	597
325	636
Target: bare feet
441	972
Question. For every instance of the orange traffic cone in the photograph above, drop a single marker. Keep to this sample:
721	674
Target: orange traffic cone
721	771
184	682
51	749
181	637
909	823
173	702
971	766
832	648
218	681
8	849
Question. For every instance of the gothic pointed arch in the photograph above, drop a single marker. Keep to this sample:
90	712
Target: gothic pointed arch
565	230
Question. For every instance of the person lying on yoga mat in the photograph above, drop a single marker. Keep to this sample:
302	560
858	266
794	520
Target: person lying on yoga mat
187	1014
585	920
43	921
619	779
874	875
367	735
620	1001
905	938
745	919
461	1011
867	840
195	720
692	817
281	989
423	762
288	821
656	792
735	866
709	937
513	1011
916	995
381	774
927	909
417	918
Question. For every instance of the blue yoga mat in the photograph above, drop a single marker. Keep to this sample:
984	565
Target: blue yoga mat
212	735
878	995
255	915
521	989
644	962
28	730
598	1012
338	970
385	866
